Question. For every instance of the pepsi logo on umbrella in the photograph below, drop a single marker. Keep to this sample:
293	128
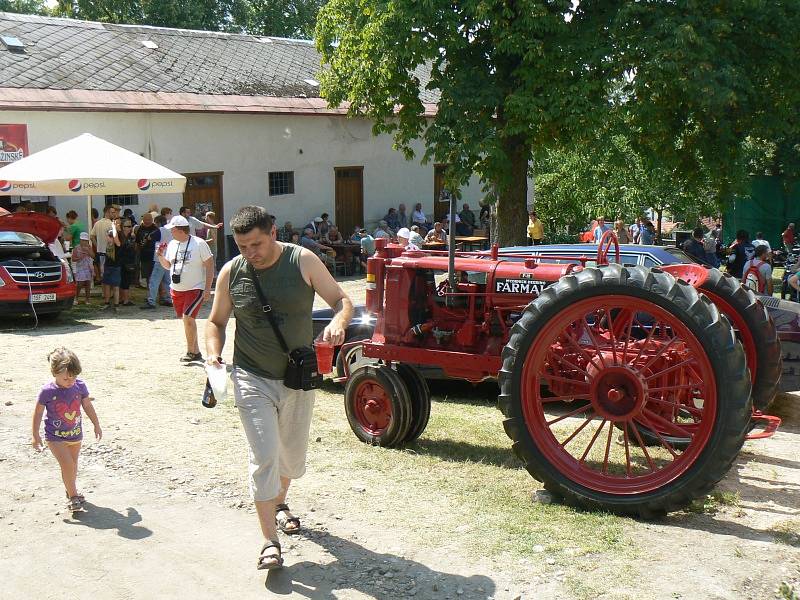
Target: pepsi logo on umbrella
74	185
143	184
5	186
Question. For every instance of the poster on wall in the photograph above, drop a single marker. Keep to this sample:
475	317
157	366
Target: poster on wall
13	143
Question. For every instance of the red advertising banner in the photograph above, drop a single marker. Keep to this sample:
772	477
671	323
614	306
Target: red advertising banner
13	143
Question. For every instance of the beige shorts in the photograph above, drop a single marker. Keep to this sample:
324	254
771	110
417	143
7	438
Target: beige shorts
276	421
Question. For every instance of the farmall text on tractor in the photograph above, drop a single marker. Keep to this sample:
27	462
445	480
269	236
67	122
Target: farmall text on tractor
625	389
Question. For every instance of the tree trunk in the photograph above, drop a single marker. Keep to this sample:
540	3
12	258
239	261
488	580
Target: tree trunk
512	210
659	214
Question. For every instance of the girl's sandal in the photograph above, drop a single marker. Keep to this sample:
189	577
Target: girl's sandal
75	504
288	525
271	560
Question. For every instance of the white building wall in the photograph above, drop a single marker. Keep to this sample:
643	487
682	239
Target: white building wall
246	148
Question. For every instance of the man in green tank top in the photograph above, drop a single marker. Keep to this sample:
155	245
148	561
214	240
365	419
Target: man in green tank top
276	419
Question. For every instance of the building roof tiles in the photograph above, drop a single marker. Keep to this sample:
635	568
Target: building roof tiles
65	54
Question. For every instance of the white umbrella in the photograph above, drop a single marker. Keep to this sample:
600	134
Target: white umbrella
84	166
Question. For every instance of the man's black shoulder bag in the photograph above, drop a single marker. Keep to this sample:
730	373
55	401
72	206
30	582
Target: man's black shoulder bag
301	372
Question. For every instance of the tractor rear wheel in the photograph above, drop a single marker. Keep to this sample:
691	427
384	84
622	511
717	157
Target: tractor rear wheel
604	352
420	396
755	329
378	407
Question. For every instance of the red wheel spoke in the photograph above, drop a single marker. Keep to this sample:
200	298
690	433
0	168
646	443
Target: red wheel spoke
646	422
608	449
627	336
563	379
571	413
658	354
673	388
589	358
644	448
667	426
646	342
670	369
593	339
591	442
565	398
610	327
627	448
692	410
564	361
576	432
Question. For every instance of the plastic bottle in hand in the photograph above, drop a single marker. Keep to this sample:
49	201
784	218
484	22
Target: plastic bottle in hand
216	384
209	400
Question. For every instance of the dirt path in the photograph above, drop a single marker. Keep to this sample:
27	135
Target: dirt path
170	516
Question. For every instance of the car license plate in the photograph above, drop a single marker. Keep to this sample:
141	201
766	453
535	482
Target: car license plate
43	297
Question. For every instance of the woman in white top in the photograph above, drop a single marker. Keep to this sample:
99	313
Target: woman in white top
419	219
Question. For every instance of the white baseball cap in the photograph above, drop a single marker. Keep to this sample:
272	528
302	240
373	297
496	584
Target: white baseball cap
404	233
177	221
84	236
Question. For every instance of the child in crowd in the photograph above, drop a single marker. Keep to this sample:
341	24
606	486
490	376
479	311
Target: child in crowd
83	265
62	399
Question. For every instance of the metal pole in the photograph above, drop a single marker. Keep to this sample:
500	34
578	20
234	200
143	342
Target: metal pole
451	245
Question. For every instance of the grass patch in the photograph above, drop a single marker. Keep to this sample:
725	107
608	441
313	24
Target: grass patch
787	532
463	483
713	502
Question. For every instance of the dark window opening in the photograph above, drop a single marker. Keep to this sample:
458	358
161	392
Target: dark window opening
281	182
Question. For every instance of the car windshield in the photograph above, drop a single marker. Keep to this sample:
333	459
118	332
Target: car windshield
681	255
18	237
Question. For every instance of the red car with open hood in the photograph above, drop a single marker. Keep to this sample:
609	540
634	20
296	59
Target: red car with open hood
32	278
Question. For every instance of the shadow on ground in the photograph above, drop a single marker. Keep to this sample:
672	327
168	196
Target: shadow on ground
101	517
379	575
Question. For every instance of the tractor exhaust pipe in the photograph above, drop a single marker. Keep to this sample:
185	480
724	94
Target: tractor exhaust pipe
451	247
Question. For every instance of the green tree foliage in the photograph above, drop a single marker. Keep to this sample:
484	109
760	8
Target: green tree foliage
26	7
283	18
693	80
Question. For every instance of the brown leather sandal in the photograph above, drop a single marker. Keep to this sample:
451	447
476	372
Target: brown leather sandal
284	522
270	561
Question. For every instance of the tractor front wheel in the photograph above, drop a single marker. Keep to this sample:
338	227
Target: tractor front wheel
605	353
420	396
378	406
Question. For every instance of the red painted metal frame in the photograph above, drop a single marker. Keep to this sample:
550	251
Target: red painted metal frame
771	424
457	364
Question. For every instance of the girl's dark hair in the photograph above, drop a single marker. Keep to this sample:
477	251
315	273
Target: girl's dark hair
63	359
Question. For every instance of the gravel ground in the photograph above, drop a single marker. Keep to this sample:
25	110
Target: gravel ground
169	513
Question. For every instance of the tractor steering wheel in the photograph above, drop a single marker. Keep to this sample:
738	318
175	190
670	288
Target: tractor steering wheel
608	238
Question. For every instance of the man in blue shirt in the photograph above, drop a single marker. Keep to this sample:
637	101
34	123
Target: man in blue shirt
600	229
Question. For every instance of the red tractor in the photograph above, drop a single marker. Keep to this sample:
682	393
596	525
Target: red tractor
624	388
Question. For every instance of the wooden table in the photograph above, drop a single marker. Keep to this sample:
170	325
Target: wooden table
434	246
346	252
472	242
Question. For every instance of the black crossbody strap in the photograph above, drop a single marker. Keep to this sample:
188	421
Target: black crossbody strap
267	309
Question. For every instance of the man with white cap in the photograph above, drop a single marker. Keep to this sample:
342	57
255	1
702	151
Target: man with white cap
191	265
403	237
314	226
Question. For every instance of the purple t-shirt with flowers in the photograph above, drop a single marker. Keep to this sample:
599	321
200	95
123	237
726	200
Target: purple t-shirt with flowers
62	421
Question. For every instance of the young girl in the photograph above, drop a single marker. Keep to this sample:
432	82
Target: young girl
63	430
82	263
